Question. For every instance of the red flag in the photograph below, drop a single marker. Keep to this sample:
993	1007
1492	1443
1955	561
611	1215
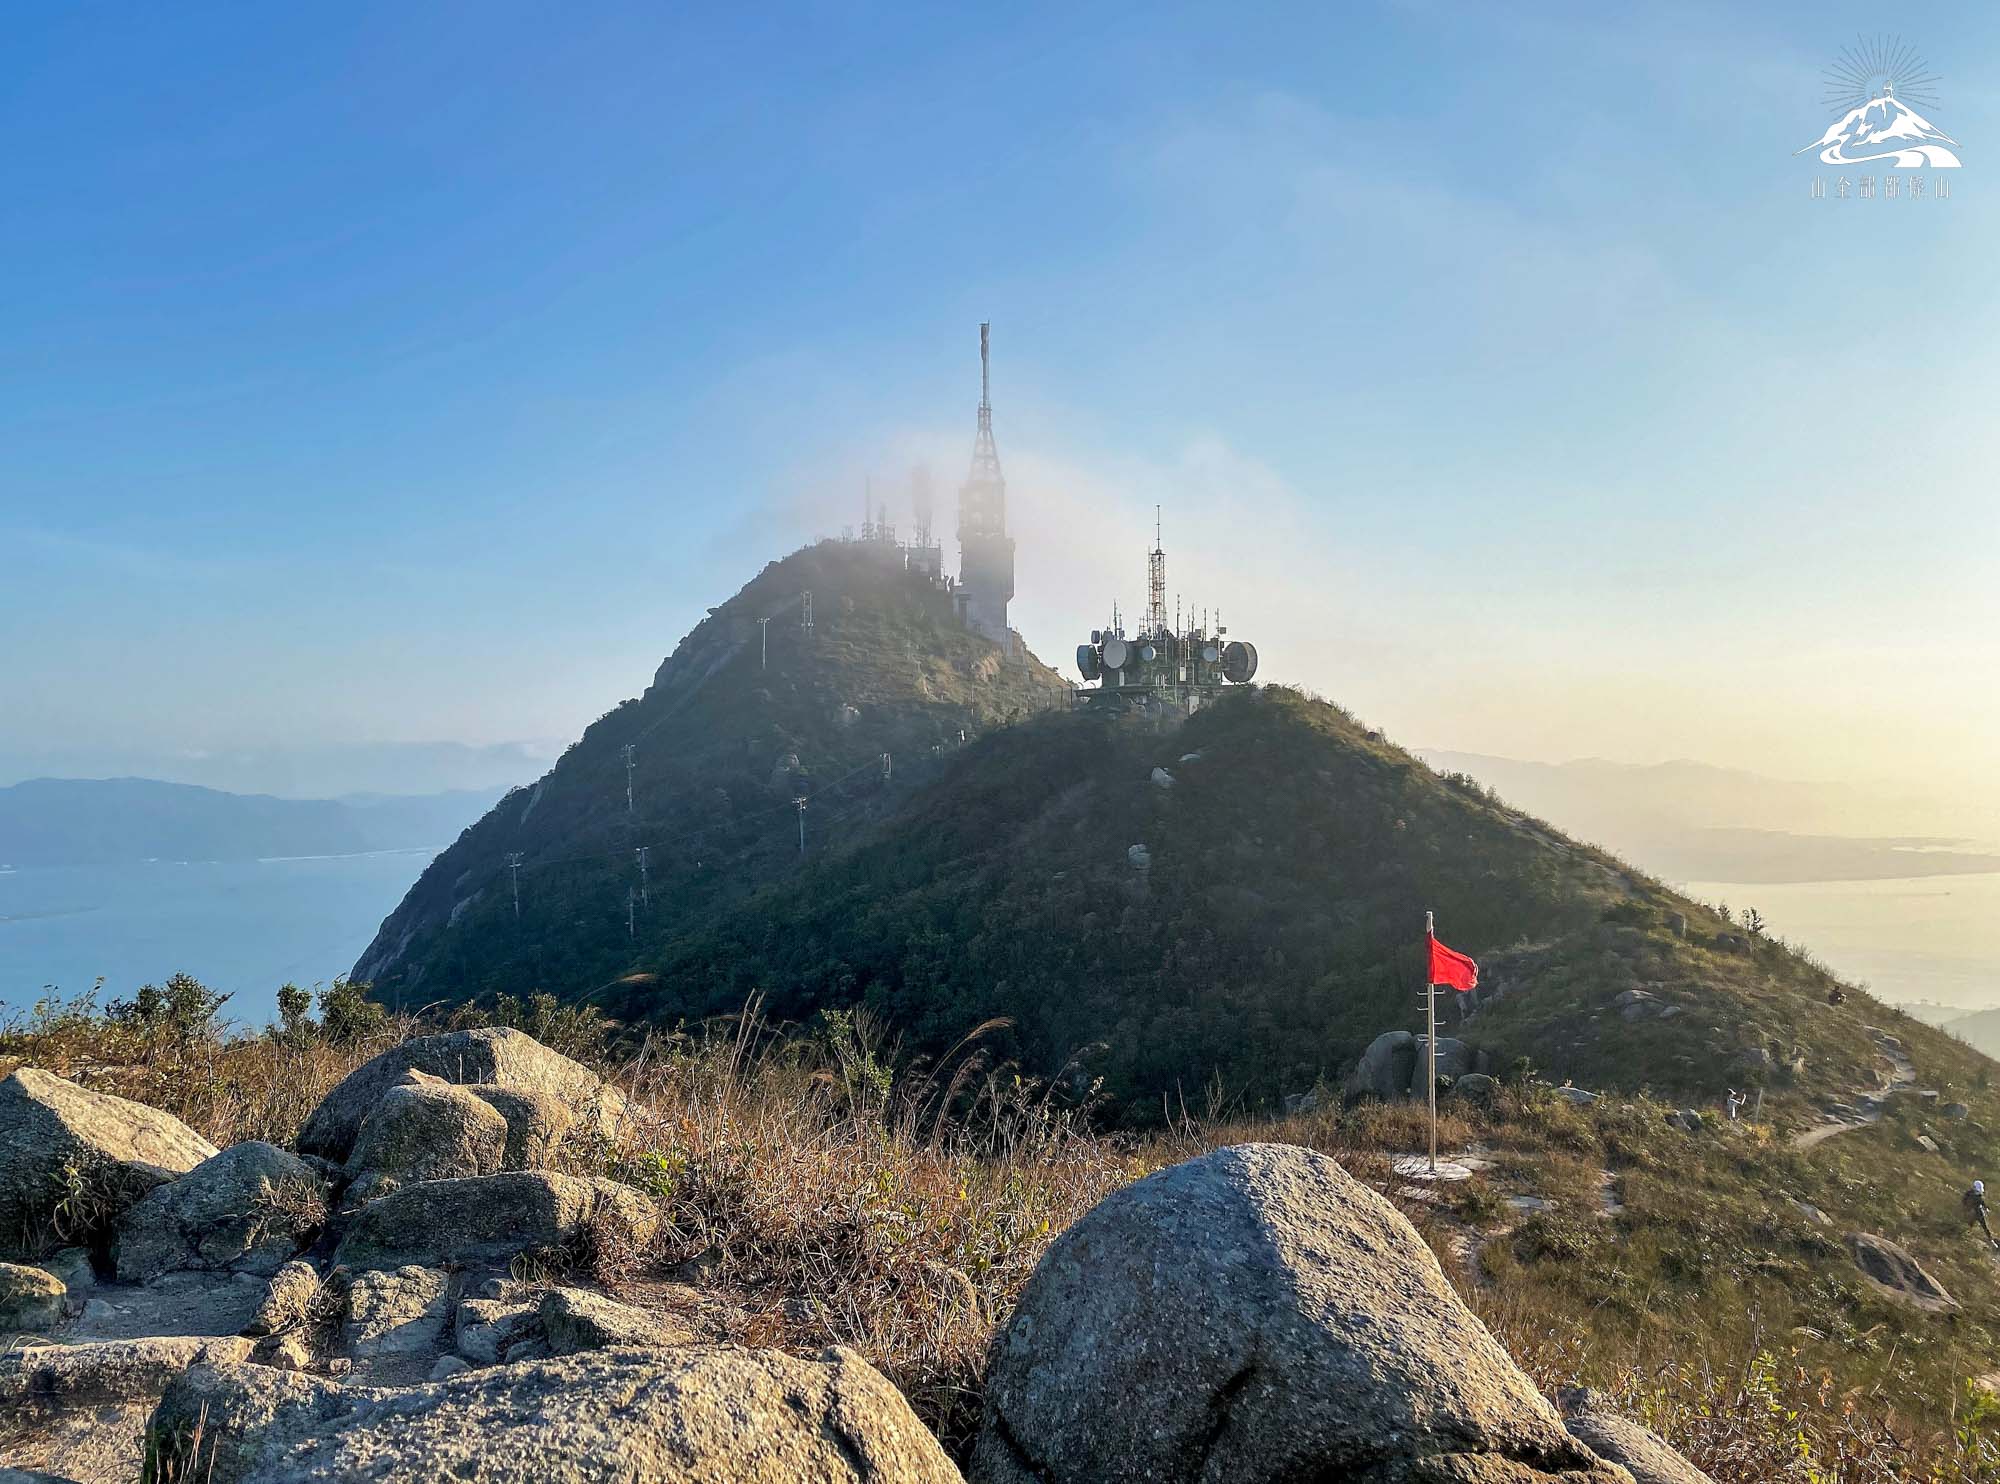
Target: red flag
1449	966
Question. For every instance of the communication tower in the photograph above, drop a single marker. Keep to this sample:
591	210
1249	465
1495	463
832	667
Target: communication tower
985	550
1165	664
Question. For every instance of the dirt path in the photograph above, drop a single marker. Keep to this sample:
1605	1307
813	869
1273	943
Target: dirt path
1867	1106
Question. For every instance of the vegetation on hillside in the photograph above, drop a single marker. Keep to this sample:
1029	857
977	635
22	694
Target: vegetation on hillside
751	712
835	1193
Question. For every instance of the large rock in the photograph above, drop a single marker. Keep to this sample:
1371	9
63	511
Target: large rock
1257	1315
575	1319
487	1221
59	1141
1647	1456
396	1322
536	1123
287	1301
496	1055
699	1416
1895	1274
30	1299
1386	1067
427	1131
1454	1059
249	1209
83	1408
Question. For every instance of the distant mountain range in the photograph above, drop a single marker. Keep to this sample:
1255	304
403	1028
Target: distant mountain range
97	821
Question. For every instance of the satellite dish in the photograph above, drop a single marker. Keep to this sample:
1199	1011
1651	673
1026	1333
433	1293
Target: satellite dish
1086	662
1117	654
1239	662
1148	653
1210	654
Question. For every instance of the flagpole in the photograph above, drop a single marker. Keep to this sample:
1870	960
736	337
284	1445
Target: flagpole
1431	1038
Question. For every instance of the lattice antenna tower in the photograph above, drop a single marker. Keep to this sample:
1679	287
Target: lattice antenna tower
1156	582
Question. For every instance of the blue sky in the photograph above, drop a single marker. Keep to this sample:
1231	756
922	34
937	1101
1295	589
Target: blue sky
391	374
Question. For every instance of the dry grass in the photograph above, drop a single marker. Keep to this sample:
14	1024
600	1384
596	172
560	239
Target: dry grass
827	1200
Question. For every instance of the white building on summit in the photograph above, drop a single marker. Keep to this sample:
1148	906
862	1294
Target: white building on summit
985	550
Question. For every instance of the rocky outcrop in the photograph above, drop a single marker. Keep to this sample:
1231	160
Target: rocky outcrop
494	1056
1647	1456
721	1415
489	1220
1257	1305
1895	1274
58	1140
430	1130
248	1209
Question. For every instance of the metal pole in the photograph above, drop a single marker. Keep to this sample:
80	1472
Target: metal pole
1431	1041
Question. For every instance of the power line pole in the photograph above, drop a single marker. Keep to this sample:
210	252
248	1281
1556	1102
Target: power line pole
764	644
800	803
645	892
628	780
514	869
631	926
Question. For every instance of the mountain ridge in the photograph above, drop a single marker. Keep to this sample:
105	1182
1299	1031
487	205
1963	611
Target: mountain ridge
97	821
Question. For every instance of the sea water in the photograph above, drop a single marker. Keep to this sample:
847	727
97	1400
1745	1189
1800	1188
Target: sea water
245	927
1934	938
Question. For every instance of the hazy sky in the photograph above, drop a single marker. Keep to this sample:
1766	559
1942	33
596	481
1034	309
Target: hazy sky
389	373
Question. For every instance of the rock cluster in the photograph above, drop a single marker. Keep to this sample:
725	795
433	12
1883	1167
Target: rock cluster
392	1304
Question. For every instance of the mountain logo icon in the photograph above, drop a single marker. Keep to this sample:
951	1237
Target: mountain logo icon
1875	82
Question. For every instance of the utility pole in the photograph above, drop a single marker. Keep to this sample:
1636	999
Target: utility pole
631	925
628	780
800	803
764	644
514	868
645	891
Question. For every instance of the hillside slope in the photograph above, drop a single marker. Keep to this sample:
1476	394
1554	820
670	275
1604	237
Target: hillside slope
737	724
1274	930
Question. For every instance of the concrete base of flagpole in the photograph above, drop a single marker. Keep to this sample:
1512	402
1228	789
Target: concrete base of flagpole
1418	1167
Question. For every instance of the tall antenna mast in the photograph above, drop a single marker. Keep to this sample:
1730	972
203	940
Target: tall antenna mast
628	779
1156	582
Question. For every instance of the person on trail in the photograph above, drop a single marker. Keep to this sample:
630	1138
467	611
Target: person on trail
1835	995
1974	1201
1735	1103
